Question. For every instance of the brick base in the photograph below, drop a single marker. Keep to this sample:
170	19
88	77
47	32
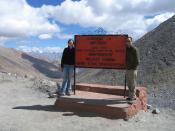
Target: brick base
106	101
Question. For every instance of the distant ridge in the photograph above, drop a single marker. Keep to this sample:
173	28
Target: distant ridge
13	61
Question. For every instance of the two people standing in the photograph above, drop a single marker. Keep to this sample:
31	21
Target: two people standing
132	61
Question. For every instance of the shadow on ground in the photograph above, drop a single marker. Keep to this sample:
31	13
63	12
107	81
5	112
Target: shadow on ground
66	112
51	108
38	108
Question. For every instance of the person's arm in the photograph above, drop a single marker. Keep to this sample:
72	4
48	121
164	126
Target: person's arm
62	59
136	56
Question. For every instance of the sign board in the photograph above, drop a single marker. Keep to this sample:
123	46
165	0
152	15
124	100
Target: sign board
100	51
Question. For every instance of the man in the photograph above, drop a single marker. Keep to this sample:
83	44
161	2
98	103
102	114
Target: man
67	66
132	61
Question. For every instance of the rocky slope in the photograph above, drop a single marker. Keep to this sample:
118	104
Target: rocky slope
157	54
16	62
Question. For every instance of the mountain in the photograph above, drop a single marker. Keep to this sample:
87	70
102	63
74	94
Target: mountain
52	57
20	63
157	54
156	49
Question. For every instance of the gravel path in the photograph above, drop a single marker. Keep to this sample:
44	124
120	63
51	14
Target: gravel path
24	109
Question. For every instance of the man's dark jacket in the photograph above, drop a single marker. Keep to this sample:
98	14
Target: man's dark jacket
68	56
132	58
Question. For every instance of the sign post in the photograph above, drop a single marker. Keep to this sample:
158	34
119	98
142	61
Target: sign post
100	51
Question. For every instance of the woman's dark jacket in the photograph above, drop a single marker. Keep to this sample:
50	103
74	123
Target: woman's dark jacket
68	56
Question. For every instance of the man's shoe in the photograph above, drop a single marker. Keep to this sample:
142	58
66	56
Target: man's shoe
130	99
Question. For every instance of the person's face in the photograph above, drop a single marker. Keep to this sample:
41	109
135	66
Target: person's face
128	42
70	44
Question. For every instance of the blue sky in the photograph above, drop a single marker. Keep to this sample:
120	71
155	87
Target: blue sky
39	3
46	25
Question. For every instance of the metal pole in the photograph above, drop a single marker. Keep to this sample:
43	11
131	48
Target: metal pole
124	94
74	79
125	70
75	64
125	87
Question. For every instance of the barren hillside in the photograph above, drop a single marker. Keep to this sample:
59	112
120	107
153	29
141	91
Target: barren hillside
16	62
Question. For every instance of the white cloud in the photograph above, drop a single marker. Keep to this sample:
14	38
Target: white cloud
126	16
157	20
74	12
18	19
28	49
45	36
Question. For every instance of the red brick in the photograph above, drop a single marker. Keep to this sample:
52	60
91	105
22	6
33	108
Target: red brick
105	103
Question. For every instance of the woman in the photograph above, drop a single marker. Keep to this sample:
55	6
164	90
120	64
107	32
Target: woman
67	66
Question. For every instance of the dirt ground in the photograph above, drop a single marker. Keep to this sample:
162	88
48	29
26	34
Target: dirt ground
22	108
